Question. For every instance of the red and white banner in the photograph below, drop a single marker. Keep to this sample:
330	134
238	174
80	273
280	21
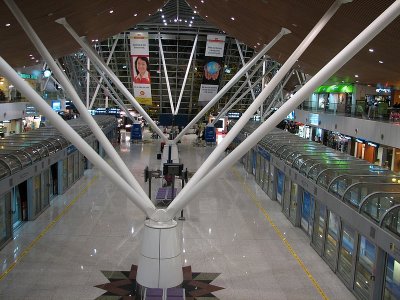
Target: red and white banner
140	66
213	68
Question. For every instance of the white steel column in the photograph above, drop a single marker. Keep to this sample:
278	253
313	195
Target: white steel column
186	75
324	74
146	206
180	201
262	87
226	110
243	63
103	140
276	95
232	99
166	73
97	60
232	82
87	81
101	79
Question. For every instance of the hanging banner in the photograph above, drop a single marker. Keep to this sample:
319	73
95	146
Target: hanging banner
212	69
140	67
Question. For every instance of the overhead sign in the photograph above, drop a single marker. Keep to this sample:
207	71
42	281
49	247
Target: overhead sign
212	69
336	88
140	67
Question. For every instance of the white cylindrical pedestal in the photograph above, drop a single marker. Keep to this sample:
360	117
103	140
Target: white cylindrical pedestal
160	262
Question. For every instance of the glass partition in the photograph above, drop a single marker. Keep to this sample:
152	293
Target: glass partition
391	221
326	176
356	193
377	204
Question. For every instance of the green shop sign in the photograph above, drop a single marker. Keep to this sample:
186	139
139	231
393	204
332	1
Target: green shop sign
27	76
336	88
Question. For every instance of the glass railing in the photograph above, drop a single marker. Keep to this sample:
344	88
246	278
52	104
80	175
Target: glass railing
380	112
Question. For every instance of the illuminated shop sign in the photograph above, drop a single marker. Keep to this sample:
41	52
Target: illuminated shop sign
234	115
383	91
336	88
27	76
291	116
314	119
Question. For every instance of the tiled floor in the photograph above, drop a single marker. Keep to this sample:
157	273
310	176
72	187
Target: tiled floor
224	232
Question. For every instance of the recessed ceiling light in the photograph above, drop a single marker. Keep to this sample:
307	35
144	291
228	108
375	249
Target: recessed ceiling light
206	16
162	16
111	11
356	76
37	60
8	25
233	18
135	15
381	62
149	14
202	1
195	12
293	24
30	55
371	50
258	44
192	17
190	25
356	80
195	6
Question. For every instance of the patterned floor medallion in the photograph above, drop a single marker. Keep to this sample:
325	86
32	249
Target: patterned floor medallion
123	285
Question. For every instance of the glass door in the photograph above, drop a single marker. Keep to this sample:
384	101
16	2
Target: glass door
392	279
365	265
286	196
307	208
319	227
346	254
266	176
271	182
293	203
45	188
331	241
5	218
280	186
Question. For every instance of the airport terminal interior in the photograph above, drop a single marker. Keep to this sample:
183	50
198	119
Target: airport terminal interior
198	149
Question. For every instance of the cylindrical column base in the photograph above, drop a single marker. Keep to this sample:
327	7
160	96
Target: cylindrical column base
160	262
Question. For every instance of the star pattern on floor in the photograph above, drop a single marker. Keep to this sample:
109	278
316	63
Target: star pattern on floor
123	285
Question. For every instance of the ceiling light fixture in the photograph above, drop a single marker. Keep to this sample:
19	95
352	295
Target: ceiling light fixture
371	50
381	62
111	11
356	76
135	15
8	25
233	18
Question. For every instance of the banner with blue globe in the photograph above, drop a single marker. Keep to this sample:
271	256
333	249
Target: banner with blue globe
212	68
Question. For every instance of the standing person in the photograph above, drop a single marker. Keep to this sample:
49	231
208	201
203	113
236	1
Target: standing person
142	70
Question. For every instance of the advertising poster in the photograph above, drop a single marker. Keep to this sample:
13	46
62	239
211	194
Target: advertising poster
212	69
140	66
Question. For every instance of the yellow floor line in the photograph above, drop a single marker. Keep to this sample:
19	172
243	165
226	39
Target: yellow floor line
44	231
279	233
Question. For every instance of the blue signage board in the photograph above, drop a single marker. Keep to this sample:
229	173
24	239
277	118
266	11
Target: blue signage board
136	132
263	152
71	149
210	135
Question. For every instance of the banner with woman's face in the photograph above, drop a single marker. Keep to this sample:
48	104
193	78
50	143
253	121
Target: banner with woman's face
140	67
